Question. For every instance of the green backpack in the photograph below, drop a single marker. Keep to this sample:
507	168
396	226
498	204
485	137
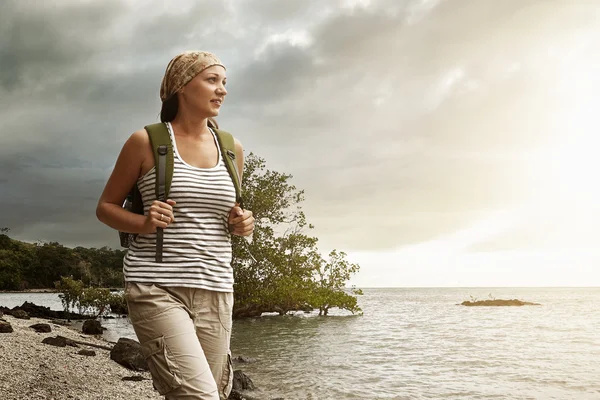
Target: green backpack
163	159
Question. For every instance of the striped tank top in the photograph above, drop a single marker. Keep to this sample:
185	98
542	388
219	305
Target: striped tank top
197	245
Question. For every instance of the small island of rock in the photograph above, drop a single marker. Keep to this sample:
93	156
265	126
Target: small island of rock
497	303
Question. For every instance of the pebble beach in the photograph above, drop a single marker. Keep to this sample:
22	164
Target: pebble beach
30	369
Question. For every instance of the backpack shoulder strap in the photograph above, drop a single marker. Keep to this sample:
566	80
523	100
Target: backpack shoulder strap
162	149
227	145
161	143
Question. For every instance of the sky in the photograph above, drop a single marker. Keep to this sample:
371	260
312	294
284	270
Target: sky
439	142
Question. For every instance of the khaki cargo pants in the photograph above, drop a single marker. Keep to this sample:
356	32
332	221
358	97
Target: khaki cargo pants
185	335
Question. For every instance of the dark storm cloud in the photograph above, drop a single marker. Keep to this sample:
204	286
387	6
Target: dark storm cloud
42	42
401	120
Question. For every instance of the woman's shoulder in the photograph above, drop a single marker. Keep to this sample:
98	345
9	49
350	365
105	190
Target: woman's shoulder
140	137
237	144
137	144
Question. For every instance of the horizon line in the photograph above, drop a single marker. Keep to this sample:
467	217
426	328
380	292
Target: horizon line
477	287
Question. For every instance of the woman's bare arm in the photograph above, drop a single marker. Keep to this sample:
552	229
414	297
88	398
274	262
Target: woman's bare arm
126	172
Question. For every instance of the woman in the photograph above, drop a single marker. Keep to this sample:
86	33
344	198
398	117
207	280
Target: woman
181	307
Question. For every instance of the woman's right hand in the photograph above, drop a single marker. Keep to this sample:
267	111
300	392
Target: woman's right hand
160	215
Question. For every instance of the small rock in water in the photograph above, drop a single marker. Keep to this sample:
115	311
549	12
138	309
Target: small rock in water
236	395
241	381
89	353
41	328
243	360
498	302
5	327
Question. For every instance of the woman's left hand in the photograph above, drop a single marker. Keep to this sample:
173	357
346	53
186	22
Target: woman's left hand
241	222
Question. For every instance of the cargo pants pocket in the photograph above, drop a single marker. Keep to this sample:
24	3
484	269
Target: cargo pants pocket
227	378
165	373
226	310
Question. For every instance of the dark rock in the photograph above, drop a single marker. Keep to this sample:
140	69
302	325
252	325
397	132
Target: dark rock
250	311
236	395
128	353
20	314
41	328
497	303
36	311
243	360
92	327
241	381
89	353
55	341
6	327
1	314
59	341
135	378
119	308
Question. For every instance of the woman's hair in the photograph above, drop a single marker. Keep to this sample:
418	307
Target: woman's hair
169	110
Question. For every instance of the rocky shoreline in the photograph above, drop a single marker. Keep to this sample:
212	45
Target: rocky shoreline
45	290
43	358
31	369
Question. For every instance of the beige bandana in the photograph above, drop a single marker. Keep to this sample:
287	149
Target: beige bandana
183	68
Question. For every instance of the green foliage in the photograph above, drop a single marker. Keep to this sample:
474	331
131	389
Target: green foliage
332	276
31	266
88	300
101	267
71	292
289	274
55	260
95	301
117	303
17	262
10	270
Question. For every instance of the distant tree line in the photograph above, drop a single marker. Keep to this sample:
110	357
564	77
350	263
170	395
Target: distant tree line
38	265
280	270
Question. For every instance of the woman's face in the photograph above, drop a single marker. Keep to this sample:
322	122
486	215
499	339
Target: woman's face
205	93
